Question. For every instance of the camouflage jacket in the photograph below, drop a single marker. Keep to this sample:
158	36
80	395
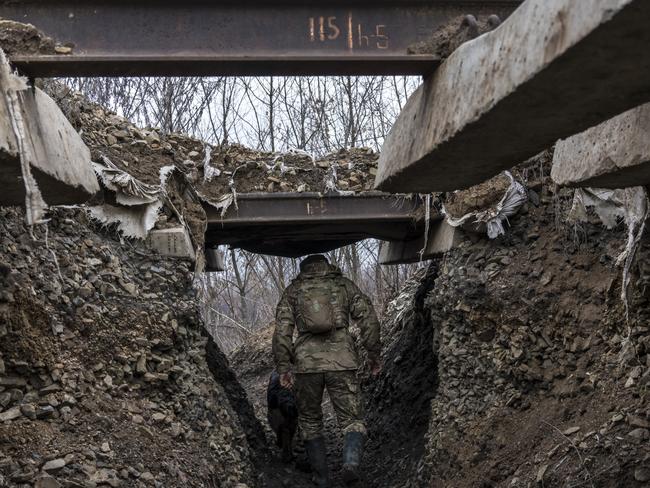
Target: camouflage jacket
329	351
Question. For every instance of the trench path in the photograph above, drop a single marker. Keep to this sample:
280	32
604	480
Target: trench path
274	472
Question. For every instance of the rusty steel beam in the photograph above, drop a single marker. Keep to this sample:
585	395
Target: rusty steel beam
202	37
310	207
295	224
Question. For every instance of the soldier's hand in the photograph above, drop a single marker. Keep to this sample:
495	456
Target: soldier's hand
375	367
286	380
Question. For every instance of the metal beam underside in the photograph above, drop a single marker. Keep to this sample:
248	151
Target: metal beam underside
295	224
201	37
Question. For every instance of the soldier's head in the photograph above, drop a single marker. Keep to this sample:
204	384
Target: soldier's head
314	258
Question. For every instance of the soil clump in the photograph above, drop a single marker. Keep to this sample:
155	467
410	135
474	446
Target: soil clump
17	38
452	35
477	198
142	152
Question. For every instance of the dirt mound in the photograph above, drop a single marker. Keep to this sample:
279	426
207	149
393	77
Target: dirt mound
538	378
488	194
477	198
456	32
536	383
142	152
104	379
249	171
17	38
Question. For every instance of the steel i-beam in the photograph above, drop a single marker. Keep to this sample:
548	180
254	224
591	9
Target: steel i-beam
295	224
245	37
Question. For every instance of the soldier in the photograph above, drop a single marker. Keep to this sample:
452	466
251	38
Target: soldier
319	304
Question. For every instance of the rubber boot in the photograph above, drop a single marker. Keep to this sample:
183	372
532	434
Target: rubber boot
318	460
352	451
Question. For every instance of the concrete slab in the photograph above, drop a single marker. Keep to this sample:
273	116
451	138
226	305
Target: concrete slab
614	154
173	242
552	69
442	238
214	260
59	159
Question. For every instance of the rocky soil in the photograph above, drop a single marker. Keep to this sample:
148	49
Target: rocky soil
143	151
17	38
104	378
541	380
456	32
478	197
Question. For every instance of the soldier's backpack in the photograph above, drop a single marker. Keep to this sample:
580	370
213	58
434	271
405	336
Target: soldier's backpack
320	305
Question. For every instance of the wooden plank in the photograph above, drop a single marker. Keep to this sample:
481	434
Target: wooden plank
552	69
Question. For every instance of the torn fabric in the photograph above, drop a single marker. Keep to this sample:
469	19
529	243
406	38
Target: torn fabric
133	222
209	171
493	219
629	205
138	203
223	204
427	225
331	180
611	206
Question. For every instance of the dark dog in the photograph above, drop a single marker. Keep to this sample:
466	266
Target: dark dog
282	415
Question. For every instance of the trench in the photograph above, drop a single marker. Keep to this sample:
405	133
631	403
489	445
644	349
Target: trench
397	406
236	395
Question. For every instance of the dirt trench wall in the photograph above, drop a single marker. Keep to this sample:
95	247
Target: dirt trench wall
511	364
537	383
103	372
224	375
398	402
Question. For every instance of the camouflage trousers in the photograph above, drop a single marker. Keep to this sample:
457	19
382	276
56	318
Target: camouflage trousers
343	390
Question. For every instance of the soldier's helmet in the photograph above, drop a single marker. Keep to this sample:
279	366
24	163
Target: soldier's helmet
314	258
